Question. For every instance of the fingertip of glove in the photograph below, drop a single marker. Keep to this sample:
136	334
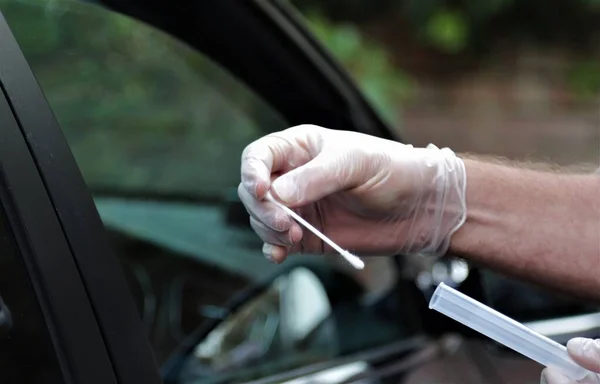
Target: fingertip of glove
260	190
274	253
551	376
584	350
575	345
256	189
296	233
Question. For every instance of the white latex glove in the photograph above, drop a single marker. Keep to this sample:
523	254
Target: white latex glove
585	352
369	195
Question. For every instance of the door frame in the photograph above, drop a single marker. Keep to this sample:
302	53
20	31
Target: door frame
266	46
60	292
86	299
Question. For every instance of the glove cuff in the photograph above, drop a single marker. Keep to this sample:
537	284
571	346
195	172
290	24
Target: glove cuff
445	209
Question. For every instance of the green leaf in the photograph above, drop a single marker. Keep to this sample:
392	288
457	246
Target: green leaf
448	30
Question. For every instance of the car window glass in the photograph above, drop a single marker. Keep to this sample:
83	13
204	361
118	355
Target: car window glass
26	351
142	112
157	129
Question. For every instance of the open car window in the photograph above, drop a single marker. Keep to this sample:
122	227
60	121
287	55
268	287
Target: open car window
157	129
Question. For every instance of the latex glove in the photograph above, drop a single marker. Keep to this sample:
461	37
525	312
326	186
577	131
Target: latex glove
585	352
369	195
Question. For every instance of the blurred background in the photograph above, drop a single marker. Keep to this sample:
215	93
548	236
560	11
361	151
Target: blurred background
512	78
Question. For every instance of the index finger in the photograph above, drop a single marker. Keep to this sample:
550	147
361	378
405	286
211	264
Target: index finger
277	152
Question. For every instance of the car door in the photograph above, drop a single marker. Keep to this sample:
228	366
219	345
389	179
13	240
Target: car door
156	125
48	329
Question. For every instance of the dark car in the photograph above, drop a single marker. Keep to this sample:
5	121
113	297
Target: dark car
126	255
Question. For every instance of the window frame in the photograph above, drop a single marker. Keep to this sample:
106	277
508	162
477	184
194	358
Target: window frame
95	328
41	243
266	46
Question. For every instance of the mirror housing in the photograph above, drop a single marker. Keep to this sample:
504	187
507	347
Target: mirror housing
291	314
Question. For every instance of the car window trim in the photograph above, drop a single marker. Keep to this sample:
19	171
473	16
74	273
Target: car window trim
74	237
59	290
275	56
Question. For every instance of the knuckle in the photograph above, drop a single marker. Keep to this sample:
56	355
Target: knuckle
259	229
280	220
273	218
305	131
303	128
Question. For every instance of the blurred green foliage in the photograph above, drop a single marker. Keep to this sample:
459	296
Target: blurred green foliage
454	26
447	30
584	79
384	85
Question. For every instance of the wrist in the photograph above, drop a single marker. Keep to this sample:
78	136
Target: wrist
442	208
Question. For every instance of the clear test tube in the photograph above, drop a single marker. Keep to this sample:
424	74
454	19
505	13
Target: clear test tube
504	330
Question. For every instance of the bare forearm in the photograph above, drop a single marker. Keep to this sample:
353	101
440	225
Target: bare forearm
540	226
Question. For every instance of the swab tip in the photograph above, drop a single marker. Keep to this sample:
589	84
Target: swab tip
354	260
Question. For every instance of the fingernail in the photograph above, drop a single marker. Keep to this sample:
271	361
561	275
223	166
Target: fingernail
585	348
543	379
268	252
250	186
254	172
285	189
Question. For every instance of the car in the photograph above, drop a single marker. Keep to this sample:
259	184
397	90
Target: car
126	255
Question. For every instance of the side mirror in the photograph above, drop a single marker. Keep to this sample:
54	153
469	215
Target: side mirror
289	318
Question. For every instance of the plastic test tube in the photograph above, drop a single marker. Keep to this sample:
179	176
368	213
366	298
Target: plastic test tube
504	330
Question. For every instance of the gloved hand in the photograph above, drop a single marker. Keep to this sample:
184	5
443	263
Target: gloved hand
585	352
369	195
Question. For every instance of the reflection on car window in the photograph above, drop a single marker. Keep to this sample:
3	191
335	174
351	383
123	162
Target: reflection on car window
147	116
142	111
26	351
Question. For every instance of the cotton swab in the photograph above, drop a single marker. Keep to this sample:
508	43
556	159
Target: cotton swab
354	260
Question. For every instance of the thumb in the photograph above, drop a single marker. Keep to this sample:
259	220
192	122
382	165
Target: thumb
585	352
310	182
